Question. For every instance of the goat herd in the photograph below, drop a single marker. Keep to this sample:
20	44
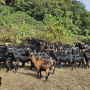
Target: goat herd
44	56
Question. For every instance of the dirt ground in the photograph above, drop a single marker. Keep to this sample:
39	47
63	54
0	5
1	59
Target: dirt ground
63	79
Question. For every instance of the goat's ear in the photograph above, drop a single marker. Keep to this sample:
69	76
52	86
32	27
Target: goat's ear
10	48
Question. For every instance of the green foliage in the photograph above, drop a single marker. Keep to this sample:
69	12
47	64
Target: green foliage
18	26
37	8
16	18
6	10
57	27
59	8
87	39
47	19
1	1
79	16
20	5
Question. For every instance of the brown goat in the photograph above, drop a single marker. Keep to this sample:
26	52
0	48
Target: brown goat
41	65
51	60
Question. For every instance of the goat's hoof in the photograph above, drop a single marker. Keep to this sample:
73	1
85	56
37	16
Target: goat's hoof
15	69
21	67
30	68
45	80
7	71
40	76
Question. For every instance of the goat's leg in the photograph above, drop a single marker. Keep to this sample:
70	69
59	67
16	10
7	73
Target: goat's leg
11	63
65	63
8	66
80	64
0	65
53	69
59	65
84	63
75	65
23	64
31	66
37	73
88	64
68	64
54	66
16	65
47	74
72	65
40	74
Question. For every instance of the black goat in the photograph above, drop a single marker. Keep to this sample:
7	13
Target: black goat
44	55
17	57
4	58
76	50
27	52
80	45
78	58
87	59
63	58
36	43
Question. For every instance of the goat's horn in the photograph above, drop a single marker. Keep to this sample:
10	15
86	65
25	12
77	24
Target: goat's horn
28	49
85	46
31	53
10	48
40	42
84	49
7	43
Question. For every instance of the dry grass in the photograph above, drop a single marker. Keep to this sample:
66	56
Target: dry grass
63	79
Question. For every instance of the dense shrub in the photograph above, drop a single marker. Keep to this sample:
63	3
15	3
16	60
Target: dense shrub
47	19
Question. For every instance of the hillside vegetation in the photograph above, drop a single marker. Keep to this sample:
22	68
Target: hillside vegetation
64	20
